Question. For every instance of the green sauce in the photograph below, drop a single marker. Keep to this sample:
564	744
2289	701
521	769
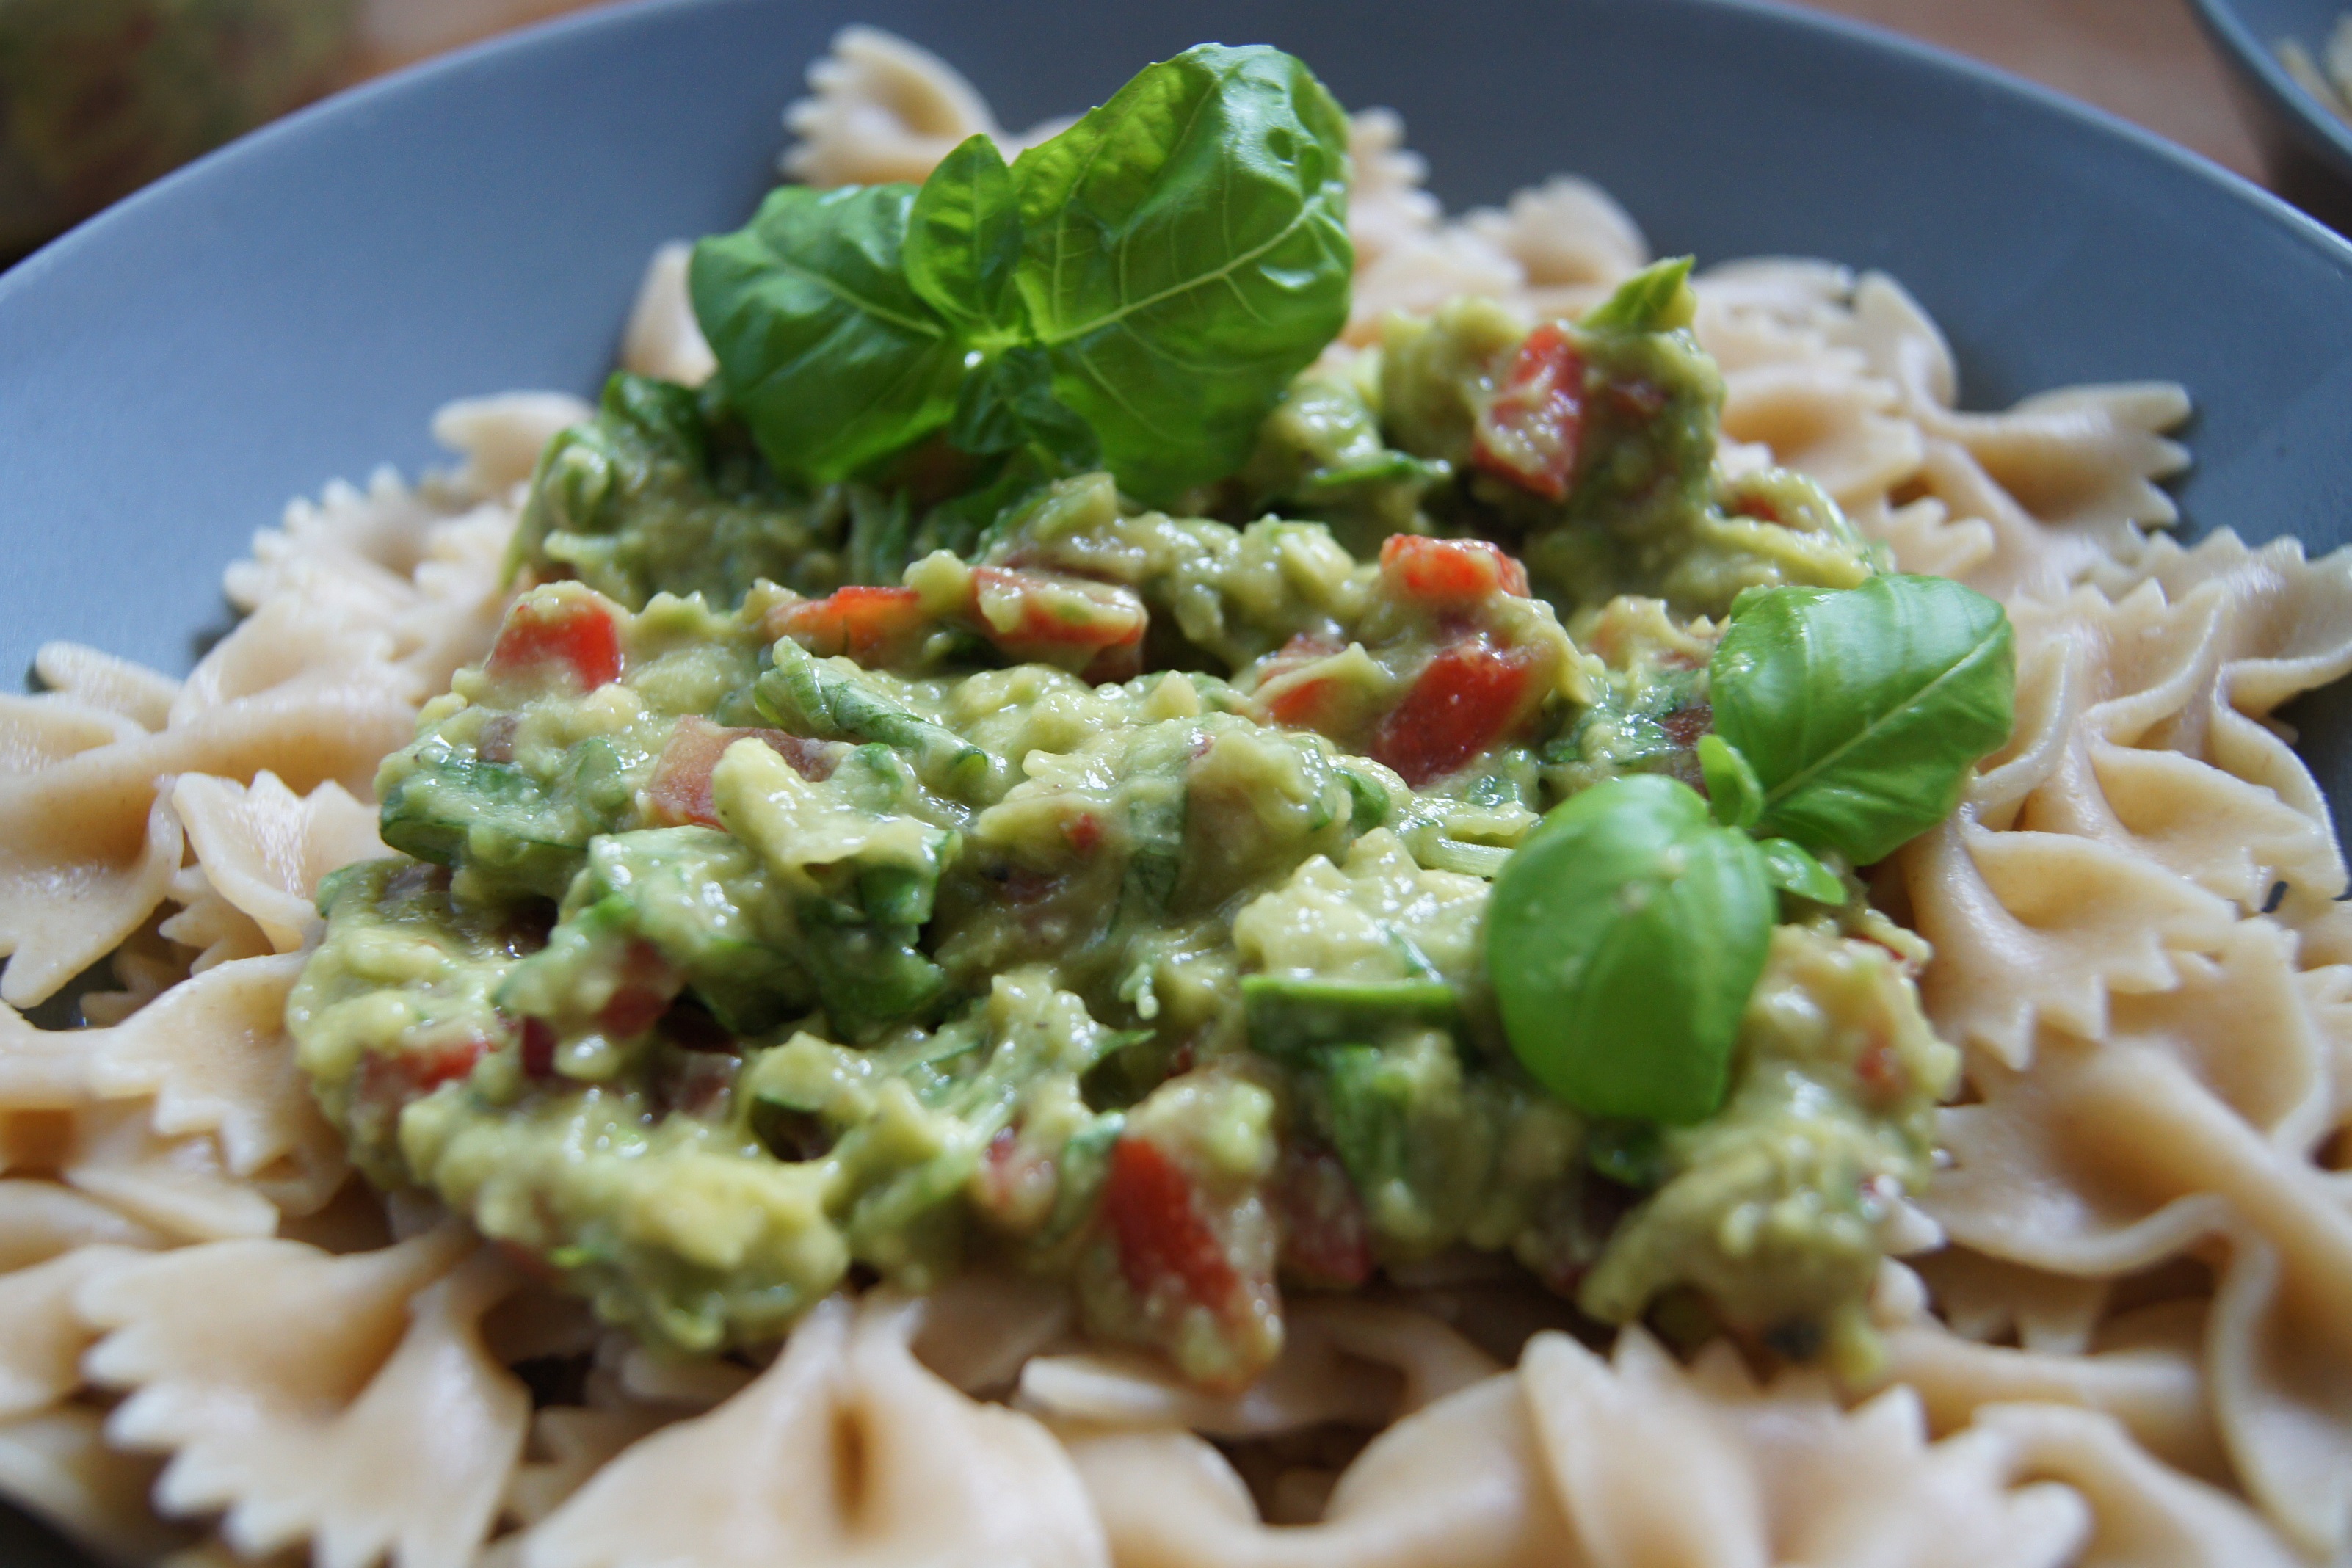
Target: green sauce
1107	898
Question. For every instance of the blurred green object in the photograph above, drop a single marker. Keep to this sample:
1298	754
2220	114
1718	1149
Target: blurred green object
99	97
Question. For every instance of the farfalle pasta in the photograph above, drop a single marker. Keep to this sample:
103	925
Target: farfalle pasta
2061	1281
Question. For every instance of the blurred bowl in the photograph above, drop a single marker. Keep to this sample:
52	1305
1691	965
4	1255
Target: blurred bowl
2306	145
99	97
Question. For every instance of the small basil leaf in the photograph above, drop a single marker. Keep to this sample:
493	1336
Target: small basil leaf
1630	1153
1185	254
1009	403
1861	710
1733	790
963	238
1658	299
830	356
1623	938
1792	869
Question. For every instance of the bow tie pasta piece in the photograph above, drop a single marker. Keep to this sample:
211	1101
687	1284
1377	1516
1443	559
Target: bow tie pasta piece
1991	1300
92	845
98	680
412	571
263	848
568	1444
1349	1362
1656	1464
881	109
111	1151
90	824
41	1335
2149	1375
214	1054
347	1401
1458	1483
663	340
844	1451
2141	1512
981	1327
37	731
2194	1120
41	1220
502	435
2281	1396
58	1466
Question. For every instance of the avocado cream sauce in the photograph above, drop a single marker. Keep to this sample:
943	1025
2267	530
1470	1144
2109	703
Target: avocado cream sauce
854	880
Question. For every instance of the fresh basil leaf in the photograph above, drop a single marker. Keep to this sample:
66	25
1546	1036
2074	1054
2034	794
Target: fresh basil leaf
1008	402
1861	710
1623	938
1791	868
1185	253
963	239
1658	299
829	353
1734	793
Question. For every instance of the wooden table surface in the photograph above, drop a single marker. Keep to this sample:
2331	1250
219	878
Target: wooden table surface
2143	60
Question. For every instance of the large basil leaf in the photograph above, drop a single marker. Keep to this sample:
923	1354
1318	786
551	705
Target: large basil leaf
1185	254
963	239
1860	711
1623	938
828	352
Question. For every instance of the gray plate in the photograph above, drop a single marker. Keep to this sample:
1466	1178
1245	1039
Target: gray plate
292	309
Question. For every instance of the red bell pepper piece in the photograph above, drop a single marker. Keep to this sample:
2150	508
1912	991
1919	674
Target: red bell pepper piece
1163	1239
679	793
575	635
1532	433
1466	699
1449	573
875	627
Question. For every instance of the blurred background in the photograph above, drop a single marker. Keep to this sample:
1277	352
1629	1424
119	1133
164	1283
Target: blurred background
99	97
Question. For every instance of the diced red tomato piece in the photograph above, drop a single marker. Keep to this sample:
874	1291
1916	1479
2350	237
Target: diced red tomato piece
648	983
538	1048
632	1011
1015	1184
1086	833
575	635
875	627
390	1080
1302	704
679	793
1096	628
1686	724
1325	1238
1471	696
1449	571
1532	433
1163	1239
1880	1072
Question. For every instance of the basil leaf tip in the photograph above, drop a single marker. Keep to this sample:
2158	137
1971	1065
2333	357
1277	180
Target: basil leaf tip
1734	793
1624	939
1859	711
1135	292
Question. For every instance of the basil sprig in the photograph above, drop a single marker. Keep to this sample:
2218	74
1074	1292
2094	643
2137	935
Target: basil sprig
1627	931
1847	719
1137	291
1622	939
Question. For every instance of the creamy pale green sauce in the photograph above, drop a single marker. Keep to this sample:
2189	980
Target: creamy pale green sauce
953	959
